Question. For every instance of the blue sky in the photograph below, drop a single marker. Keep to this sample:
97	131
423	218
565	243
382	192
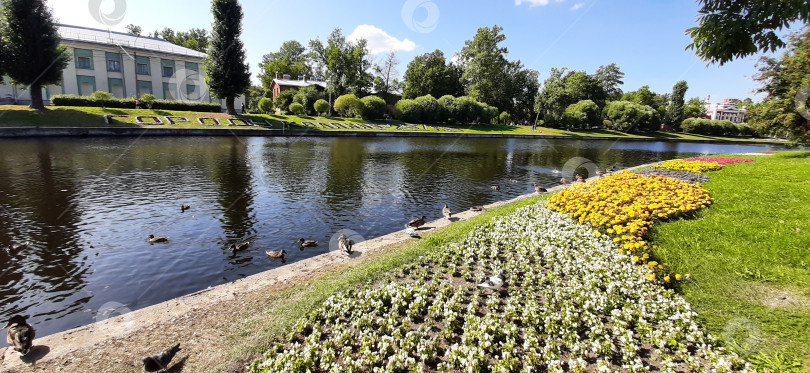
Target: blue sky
645	38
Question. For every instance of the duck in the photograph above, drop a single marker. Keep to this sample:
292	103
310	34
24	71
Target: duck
183	208
279	254
345	244
14	249
412	232
494	282
157	239
477	208
417	222
538	189
160	361
495	187
563	182
307	243
20	335
446	212
237	247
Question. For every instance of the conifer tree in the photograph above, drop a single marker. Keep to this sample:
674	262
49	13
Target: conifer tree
227	73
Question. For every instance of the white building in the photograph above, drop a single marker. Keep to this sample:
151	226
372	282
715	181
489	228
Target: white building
124	65
727	110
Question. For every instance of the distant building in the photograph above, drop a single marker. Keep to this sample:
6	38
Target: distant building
727	110
126	66
286	82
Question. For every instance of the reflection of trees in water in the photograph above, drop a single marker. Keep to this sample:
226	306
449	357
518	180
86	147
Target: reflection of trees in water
344	176
45	194
235	193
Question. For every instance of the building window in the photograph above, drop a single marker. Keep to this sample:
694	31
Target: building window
87	85
83	58
116	87
192	66
168	68
113	62
143	69
143	66
169	91
192	92
144	88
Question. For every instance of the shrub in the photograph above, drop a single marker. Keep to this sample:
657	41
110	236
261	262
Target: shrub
583	114
505	118
432	111
307	97
297	109
129	103
487	113
321	107
468	110
284	100
373	107
626	116
102	96
266	105
716	127
349	105
148	100
408	111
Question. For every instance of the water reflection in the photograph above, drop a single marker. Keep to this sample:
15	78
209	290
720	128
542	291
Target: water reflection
87	205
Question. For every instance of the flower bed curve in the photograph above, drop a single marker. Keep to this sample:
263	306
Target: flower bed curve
696	166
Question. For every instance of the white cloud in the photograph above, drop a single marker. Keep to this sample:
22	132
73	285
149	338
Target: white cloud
379	41
577	6
532	3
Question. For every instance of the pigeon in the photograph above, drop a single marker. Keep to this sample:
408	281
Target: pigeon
157	239
20	335
160	362
446	212
345	244
494	282
412	232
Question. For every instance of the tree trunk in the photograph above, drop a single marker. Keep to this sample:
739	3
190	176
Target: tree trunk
229	105
36	97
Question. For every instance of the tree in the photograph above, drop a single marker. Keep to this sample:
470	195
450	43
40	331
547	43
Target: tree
346	63
564	88
227	72
694	108
485	67
134	29
385	77
291	59
266	105
297	109
322	107
729	29
626	116
610	79
284	99
196	39
253	95
432	111
307	96
505	118
31	53
675	110
348	105
430	74
583	114
643	96
373	107
786	81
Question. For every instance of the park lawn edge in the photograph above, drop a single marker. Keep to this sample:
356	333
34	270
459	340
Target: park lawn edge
83	117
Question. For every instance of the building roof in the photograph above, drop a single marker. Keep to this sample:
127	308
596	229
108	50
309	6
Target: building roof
298	83
113	38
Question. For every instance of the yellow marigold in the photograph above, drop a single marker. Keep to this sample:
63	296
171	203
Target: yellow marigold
695	166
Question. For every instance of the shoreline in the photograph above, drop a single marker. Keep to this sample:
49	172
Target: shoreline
44	132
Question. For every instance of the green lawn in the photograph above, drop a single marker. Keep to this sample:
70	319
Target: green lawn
749	254
55	116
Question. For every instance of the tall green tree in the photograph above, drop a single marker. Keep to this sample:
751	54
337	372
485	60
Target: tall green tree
227	72
431	74
675	110
385	78
31	52
195	38
292	59
346	63
134	29
729	29
610	79
694	108
485	64
564	88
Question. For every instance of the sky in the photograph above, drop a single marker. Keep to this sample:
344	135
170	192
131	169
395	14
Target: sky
645	38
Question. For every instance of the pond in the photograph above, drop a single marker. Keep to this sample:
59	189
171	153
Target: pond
87	205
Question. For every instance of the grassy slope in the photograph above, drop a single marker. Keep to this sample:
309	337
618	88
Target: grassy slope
252	337
745	253
21	116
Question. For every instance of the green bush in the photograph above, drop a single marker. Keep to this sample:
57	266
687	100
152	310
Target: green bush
505	118
432	112
129	103
373	107
284	100
468	110
321	107
448	102
148	100
488	113
102	96
266	105
626	116
307	97
297	109
408	111
349	106
583	114
710	127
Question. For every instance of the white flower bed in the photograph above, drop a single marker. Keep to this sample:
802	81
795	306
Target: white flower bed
572	304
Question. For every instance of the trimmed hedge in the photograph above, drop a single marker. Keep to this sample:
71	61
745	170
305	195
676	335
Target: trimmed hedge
129	103
710	127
